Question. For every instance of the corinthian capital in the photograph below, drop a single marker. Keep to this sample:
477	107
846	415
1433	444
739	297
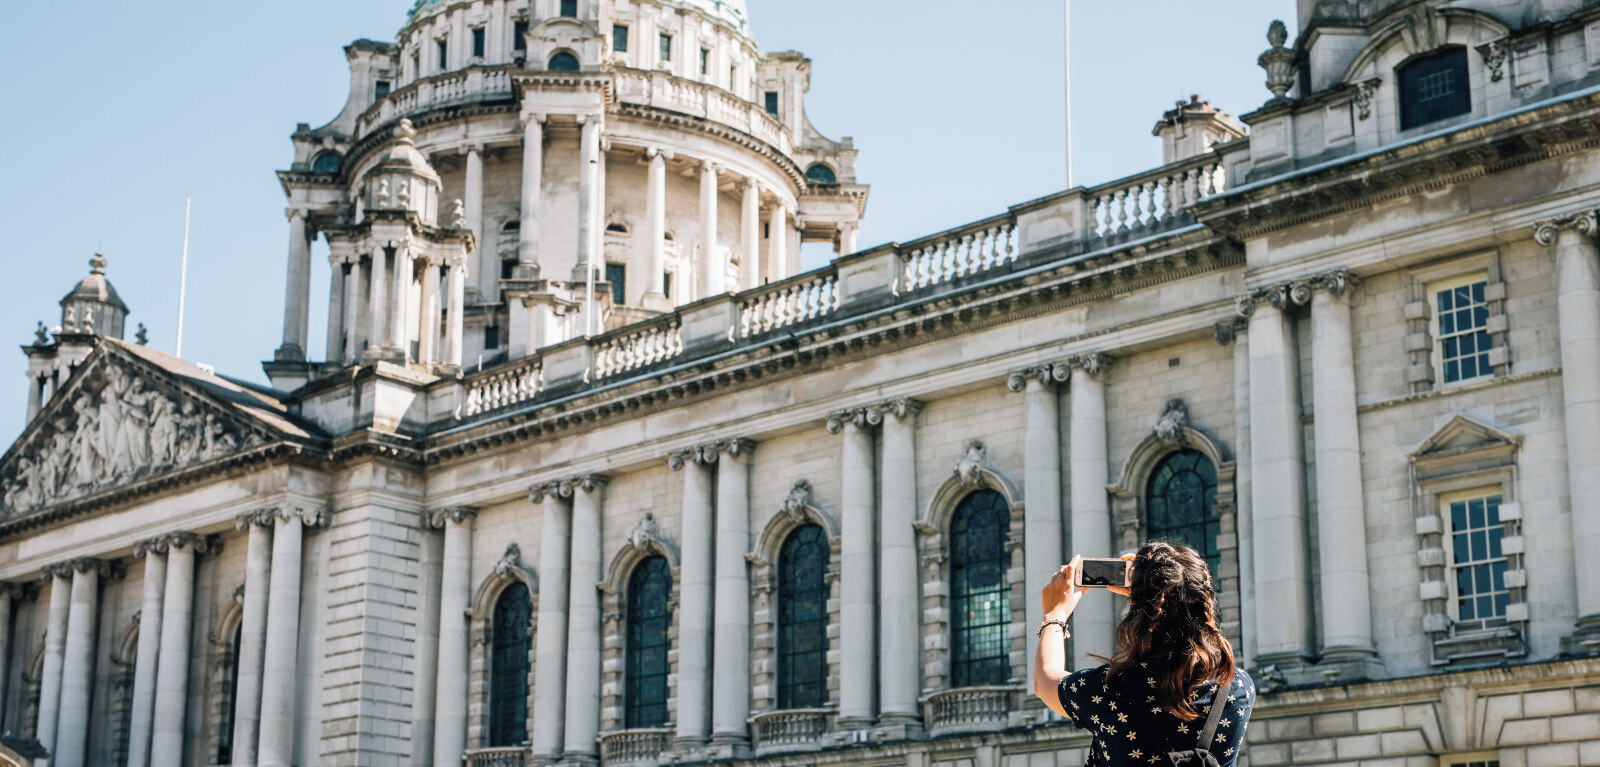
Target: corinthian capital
438	518
1582	222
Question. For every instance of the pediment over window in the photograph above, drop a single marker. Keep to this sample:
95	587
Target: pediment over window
1463	443
130	416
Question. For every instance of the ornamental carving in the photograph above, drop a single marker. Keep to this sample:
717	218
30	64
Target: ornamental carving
114	430
969	470
647	534
1278	61
1093	363
1169	428
795	503
1582	222
1494	59
704	455
1363	98
1017	380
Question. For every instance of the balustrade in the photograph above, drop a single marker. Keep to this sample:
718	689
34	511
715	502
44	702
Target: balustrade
969	250
635	347
800	729
966	709
797	299
642	746
515	756
1146	201
504	387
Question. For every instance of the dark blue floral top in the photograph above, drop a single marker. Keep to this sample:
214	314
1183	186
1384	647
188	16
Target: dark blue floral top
1130	728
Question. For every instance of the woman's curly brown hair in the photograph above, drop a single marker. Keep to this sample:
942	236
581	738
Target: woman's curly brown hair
1171	628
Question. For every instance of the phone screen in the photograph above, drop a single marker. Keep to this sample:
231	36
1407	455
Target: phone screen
1105	572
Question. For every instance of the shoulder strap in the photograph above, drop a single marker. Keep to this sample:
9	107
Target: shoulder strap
1218	700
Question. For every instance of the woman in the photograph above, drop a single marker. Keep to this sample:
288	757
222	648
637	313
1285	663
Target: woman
1154	694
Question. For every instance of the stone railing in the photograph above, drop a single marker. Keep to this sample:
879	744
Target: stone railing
499	387
513	756
968	709
665	91
792	730
462	86
638	345
635	747
959	252
781	304
1153	199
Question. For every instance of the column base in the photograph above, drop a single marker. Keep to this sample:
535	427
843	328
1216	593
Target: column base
893	727
848	730
728	745
1350	664
525	272
1585	641
580	277
289	353
655	302
579	760
371	354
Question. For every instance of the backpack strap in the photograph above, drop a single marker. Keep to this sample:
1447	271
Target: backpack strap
1218	699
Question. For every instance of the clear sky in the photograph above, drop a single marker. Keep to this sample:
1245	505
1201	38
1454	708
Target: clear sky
115	112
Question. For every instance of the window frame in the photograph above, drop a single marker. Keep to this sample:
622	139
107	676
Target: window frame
619	38
664	47
1432	290
1452	591
561	9
784	691
705	61
519	35
619	288
963	670
480	42
496	738
443	47
771	103
550	64
632	652
381	89
1210	524
1461	63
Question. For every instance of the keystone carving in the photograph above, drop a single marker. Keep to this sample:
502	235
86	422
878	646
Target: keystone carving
1168	429
795	503
1494	59
969	470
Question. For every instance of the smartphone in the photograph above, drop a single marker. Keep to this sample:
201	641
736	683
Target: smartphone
1104	572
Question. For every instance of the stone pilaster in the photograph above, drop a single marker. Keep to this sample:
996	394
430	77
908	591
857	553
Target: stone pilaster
713	269
900	712
455	597
473	204
695	589
1235	331
399	339
550	651
750	235
77	662
333	350
656	229
528	232
1090	468
778	243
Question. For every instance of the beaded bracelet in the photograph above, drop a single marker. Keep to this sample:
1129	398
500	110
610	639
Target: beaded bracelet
1048	621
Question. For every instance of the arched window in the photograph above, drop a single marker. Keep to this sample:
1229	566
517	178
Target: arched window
1182	492
225	738
821	174
803	619
508	667
327	162
649	620
980	594
563	62
1434	88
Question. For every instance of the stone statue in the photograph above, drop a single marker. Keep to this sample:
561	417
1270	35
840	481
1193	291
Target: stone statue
969	470
110	413
41	337
141	337
85	440
134	436
1169	427
458	216
163	431
646	533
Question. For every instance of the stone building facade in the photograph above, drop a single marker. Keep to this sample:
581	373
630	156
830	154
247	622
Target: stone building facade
1351	353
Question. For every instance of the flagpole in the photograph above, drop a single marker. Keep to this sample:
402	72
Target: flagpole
183	277
1067	59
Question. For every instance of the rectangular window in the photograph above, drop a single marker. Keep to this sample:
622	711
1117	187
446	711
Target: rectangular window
477	42
705	61
381	89
617	275
666	284
772	103
491	337
666	47
569	8
506	266
1460	328
416	65
1434	88
1481	759
1477	564
619	38
519	36
444	55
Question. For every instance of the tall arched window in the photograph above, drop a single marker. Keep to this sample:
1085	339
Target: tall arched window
508	667
980	595
225	738
803	619
649	620
563	62
1182	492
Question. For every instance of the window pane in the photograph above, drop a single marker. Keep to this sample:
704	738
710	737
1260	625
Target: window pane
519	36
649	621
1495	534
981	612
666	47
1467	613
509	666
1180	497
619	39
803	593
1480	545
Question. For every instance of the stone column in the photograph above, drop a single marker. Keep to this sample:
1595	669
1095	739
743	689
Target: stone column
1091	510
1578	315
750	236
550	652
730	696
583	633
473	202
279	667
1041	484
428	323
1341	502
55	643
528	229
404	277
141	721
455	598
35	395
455	310
847	238
899	640
297	290
588	195
778	244
1235	331
334	351
376	310
656	229
8	593
858	607
172	671
1278	493
352	308
713	270
252	636
77	664
694	604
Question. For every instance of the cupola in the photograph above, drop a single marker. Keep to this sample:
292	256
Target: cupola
403	179
93	306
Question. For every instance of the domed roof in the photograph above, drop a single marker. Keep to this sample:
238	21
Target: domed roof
96	288
403	156
731	11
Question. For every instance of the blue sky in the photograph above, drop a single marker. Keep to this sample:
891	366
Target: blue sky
118	111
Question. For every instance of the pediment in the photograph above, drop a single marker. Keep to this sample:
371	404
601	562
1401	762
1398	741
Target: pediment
1462	437
129	414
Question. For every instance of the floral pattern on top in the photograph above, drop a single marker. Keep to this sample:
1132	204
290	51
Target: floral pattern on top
1131	728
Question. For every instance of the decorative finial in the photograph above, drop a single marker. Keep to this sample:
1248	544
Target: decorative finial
88	321
404	132
97	265
458	217
1278	61
141	337
41	337
1277	35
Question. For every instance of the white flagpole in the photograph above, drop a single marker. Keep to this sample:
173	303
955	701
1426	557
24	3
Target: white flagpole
1068	66
183	277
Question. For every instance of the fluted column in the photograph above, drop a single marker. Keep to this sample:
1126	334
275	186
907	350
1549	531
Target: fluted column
695	593
583	633
858	568
1578	317
455	597
1091	510
750	236
77	663
428	323
297	290
532	197
1278	493
1341	502
730	696
899	642
252	636
283	635
778	246
550	652
588	197
473	204
141	720
455	310
1041	483
713	270
352	316
55	643
334	350
377	312
172	671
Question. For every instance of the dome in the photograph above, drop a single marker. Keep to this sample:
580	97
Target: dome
93	306
95	288
730	11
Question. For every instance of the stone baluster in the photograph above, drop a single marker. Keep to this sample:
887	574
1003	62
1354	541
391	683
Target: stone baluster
550	671
858	567
730	694
55	643
898	589
455	597
252	635
172	670
279	668
1091	508
141	720
583	611
297	290
77	664
695	594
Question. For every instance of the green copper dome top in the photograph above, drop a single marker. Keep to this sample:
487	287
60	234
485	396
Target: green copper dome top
731	11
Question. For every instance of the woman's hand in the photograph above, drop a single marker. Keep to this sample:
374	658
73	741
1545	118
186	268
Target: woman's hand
1119	589
1059	598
